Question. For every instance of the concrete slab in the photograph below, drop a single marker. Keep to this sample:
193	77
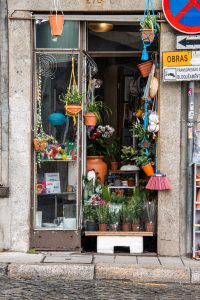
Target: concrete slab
171	261
104	259
69	272
195	275
61	253
142	260
142	274
69	259
188	262
17	257
131	260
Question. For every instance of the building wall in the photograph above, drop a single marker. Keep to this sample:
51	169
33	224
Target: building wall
171	203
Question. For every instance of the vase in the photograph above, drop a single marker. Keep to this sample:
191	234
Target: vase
97	163
102	227
56	23
149	227
148	169
114	166
125	227
145	68
90	119
135	227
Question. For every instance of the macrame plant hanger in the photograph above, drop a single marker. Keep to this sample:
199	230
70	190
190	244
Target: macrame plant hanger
147	38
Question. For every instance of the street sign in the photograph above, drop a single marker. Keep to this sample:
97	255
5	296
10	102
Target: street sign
181	66
183	15
187	42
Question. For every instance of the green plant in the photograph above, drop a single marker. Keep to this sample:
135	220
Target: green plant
117	198
114	151
125	213
113	217
128	154
102	211
150	209
89	213
136	206
73	96
140	132
98	108
142	159
106	193
149	21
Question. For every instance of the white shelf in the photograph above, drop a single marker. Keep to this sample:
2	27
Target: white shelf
121	187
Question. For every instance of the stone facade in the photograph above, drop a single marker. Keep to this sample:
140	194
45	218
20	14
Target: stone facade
15	211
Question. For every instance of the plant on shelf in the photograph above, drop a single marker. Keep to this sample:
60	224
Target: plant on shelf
114	155
90	217
150	209
92	189
56	20
117	197
94	111
114	220
128	154
72	98
140	132
125	217
136	207
102	211
145	162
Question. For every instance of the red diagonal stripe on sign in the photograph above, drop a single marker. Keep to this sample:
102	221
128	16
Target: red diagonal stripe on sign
184	11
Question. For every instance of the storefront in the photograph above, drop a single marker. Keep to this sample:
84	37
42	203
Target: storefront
40	68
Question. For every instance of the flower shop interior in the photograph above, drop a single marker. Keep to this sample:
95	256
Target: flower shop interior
93	190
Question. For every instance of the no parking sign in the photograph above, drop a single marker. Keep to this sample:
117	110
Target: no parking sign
183	15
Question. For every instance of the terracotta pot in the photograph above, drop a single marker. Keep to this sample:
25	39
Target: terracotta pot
148	169
145	68
147	35
198	253
125	227
198	199
114	166
113	227
199	246
135	227
56	23
102	227
90	119
149	227
73	109
97	163
131	182
39	145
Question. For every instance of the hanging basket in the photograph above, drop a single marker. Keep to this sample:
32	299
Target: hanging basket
56	23
145	68
39	145
73	109
90	119
148	35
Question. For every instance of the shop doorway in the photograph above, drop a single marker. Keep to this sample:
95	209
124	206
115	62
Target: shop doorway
116	54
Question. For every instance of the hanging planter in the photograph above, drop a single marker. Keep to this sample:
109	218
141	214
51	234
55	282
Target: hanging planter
90	119
56	20
73	98
148	169
145	68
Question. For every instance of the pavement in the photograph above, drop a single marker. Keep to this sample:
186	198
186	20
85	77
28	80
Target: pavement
92	266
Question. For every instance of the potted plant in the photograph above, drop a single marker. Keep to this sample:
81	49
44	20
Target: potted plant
125	217
136	208
150	208
114	155
90	217
94	111
113	220
128	155
102	211
72	98
56	20
145	162
149	25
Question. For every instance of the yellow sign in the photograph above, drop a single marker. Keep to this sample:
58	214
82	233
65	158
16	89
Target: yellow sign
177	59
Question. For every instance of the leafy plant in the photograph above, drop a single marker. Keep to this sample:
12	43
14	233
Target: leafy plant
117	198
89	213
106	193
149	21
142	159
114	151
128	154
125	213
136	206
140	132
73	96
113	217
98	108
102	213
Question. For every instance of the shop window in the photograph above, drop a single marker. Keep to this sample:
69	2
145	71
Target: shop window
68	39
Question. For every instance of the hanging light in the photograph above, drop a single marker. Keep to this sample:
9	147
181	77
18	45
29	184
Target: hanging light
100	27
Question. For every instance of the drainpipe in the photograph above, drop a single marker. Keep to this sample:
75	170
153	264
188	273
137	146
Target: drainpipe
189	203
